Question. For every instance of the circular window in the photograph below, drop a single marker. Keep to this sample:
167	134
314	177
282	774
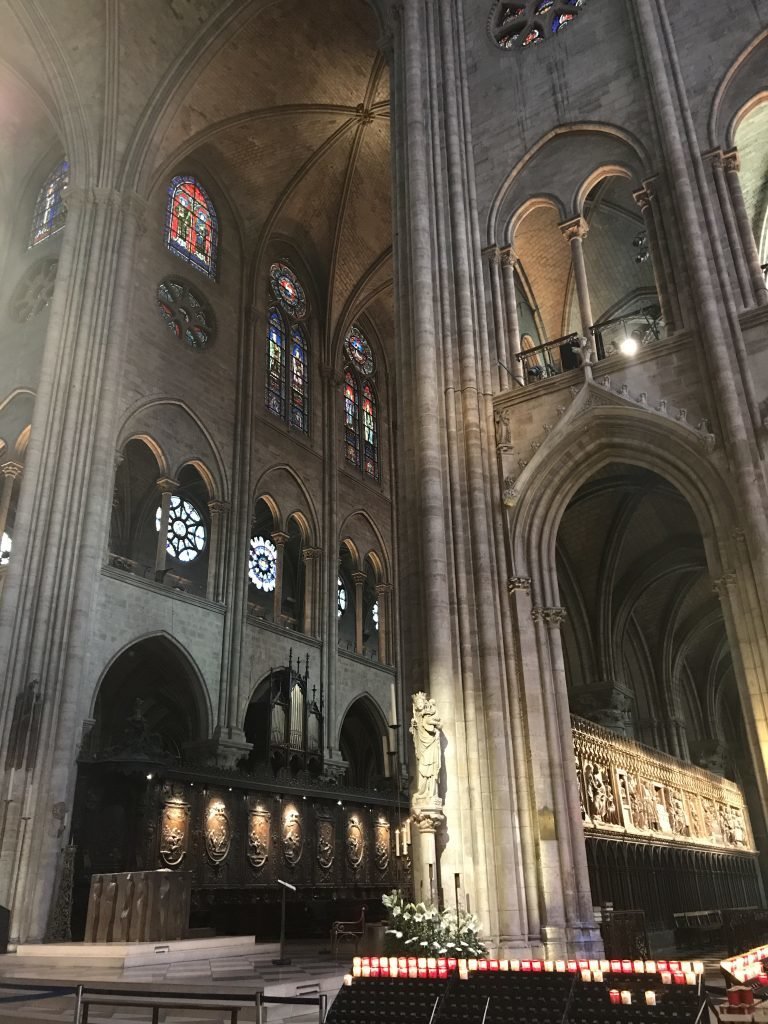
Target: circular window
527	22
185	312
34	291
341	598
262	564
5	549
186	530
288	291
359	351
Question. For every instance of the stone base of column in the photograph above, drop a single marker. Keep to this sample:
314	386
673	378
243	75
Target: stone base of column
225	748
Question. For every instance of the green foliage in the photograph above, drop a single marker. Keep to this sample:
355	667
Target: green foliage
416	929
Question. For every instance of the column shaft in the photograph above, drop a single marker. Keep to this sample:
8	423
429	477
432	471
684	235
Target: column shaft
279	540
575	231
759	286
9	472
732	231
508	263
167	488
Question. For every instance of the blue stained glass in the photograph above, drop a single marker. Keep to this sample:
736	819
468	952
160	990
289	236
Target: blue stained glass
299	381
50	212
275	391
561	20
544	6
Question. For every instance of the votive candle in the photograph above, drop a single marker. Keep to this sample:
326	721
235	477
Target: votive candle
626	997
597	975
650	998
347	979
586	975
615	996
666	977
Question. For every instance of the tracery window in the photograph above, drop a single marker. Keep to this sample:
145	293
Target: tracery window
287	378
186	535
375	615
262	565
361	425
5	549
50	211
185	312
341	597
524	23
191	224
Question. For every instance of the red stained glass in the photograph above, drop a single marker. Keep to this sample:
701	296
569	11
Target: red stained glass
191	224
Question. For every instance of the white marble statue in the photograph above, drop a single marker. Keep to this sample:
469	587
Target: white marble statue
426	730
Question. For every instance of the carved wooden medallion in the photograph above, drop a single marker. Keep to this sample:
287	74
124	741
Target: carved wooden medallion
326	841
355	843
381	840
174	827
218	831
259	821
293	836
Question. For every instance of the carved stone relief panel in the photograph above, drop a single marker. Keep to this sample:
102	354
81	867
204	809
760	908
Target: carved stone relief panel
259	823
326	843
381	838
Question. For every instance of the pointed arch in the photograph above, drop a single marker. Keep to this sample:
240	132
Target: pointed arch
191	224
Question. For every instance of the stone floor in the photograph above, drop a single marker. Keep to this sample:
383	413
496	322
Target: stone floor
310	973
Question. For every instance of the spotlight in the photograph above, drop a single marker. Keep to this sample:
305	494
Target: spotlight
628	346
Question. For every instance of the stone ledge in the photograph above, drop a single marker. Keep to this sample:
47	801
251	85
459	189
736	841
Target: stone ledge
156	588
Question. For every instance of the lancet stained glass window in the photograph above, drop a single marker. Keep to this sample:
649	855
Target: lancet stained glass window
528	22
191	225
186	531
361	430
287	380
50	212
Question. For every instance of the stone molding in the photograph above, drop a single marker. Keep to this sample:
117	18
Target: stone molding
554	617
519	583
576	228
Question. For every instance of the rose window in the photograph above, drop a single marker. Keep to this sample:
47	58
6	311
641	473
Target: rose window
526	22
34	292
359	351
341	598
186	530
185	313
262	564
288	290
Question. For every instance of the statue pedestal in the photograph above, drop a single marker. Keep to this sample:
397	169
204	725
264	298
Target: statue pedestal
428	818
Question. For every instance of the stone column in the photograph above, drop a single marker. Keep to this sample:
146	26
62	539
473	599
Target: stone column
359	579
218	512
428	821
279	539
662	270
166	488
384	598
508	263
732	229
731	165
10	472
311	558
505	371
575	231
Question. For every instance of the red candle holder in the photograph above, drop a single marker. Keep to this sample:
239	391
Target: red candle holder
747	996
674	965
366	961
432	972
402	963
626	966
375	972
442	973
734	996
678	977
493	965
615	966
572	966
537	965
583	965
662	965
453	963
525	965
482	965
615	996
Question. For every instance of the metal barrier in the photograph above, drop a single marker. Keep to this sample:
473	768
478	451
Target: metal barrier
155	999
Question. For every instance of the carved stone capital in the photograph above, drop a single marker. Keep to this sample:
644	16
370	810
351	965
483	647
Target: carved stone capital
428	819
493	255
732	161
576	228
218	508
384	589
554	617
515	583
721	584
280	539
167	486
509	257
359	578
643	198
310	554
11	469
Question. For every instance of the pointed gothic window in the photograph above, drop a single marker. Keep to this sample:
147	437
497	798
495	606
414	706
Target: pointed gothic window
524	23
361	424
50	209
191	225
287	378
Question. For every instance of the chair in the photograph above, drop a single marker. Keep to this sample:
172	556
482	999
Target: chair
347	931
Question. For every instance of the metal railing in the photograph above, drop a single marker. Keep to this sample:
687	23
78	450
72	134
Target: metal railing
154	999
550	359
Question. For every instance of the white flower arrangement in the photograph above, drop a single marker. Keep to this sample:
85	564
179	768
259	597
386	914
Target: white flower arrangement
418	926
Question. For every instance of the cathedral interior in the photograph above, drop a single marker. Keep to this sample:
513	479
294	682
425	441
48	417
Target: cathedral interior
383	438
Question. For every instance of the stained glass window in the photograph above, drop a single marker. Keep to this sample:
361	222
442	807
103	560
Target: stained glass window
186	530
191	225
262	564
341	597
185	313
276	364
361	434
528	22
287	290
351	418
50	211
375	615
5	549
287	387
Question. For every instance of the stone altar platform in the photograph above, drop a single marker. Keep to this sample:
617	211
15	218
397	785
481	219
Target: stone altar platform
125	955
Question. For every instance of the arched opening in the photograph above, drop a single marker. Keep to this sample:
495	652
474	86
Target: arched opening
750	138
292	598
284	723
643	643
262	561
346	603
363	743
